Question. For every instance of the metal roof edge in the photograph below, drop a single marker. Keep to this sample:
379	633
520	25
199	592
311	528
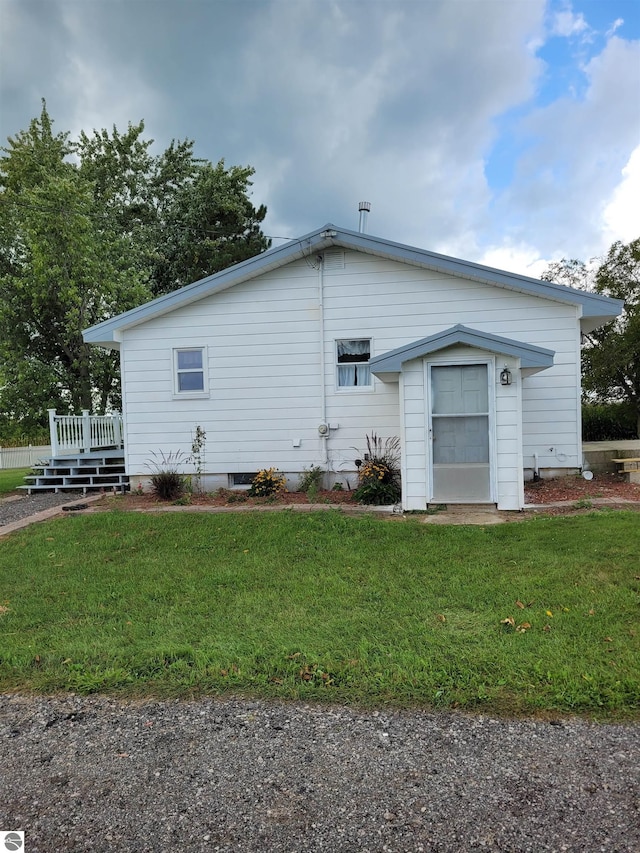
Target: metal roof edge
243	271
593	305
592	302
529	354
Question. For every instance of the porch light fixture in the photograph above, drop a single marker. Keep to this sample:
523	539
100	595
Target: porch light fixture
505	376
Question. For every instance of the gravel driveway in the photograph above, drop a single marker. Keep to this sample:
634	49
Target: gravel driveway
233	775
16	508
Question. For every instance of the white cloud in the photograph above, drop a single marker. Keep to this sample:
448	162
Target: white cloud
621	215
614	26
397	103
576	153
521	259
566	23
374	101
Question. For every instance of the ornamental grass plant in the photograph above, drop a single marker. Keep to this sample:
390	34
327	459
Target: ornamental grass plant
167	483
379	472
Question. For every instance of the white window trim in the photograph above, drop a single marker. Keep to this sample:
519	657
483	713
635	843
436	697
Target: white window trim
353	389
190	395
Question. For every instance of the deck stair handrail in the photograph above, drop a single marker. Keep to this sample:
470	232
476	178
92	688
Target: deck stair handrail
85	432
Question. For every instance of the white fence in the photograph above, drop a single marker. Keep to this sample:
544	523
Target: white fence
23	457
74	433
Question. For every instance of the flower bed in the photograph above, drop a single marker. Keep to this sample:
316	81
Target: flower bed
576	488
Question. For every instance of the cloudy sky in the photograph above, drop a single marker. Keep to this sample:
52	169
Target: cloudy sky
500	131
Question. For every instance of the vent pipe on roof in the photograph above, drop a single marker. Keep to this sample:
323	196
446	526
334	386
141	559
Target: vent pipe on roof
364	207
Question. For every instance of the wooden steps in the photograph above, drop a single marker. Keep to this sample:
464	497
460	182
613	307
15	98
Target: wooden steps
630	467
87	472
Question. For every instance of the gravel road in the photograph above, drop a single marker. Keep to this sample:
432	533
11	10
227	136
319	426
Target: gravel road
97	774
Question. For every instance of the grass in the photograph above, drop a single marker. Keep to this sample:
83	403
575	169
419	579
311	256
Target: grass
322	605
12	478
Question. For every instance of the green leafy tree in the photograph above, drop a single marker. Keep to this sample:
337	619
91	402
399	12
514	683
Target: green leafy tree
210	226
611	359
93	227
137	191
65	265
611	354
185	217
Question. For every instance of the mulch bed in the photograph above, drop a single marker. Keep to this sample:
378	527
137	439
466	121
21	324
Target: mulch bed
569	489
231	498
576	488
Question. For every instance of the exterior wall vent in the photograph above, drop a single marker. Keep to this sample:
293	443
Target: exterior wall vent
334	259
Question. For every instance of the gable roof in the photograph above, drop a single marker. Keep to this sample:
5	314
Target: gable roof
595	308
532	358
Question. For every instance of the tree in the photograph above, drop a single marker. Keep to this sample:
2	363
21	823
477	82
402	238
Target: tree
65	266
611	358
611	354
93	227
186	218
210	226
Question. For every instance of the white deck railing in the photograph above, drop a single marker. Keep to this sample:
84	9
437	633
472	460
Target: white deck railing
74	433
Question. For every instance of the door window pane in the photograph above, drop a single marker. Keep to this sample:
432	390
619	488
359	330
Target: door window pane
461	441
460	389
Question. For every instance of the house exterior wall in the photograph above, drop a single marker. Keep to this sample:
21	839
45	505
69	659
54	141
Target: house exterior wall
270	340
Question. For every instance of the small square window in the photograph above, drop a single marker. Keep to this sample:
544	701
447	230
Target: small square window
242	479
353	363
190	371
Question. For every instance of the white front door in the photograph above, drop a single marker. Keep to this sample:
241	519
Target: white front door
459	431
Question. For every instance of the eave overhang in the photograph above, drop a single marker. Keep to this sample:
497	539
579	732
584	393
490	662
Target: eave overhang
594	309
388	366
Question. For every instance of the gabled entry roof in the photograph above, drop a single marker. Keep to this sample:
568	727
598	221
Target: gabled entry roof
532	358
595	309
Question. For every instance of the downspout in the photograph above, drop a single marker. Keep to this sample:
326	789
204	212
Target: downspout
536	469
324	437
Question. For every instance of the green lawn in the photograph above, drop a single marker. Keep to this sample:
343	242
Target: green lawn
11	479
326	606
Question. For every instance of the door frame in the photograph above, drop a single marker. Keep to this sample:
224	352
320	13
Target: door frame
461	361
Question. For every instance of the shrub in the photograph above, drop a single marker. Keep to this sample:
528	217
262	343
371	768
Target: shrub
197	457
608	422
311	480
167	483
379	473
267	482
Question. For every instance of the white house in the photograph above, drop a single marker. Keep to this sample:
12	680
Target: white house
291	358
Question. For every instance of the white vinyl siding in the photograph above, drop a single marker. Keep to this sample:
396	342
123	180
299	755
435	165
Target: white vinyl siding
263	370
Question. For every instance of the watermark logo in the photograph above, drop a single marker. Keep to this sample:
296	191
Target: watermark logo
13	841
